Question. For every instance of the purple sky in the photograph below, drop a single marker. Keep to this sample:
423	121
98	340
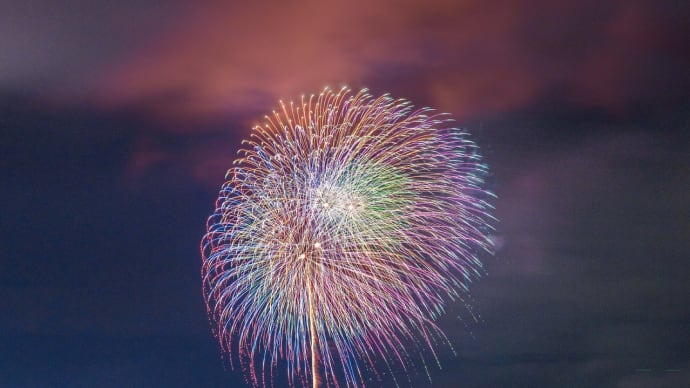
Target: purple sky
118	121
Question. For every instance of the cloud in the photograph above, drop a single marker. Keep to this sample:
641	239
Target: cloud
57	49
218	66
470	58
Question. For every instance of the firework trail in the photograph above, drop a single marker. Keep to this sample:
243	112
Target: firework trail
343	227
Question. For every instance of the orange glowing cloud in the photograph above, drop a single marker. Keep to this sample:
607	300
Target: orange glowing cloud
468	57
231	61
235	56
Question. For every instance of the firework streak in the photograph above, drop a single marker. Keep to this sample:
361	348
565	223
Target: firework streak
345	224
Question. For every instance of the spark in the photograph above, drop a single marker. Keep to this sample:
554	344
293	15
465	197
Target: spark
344	227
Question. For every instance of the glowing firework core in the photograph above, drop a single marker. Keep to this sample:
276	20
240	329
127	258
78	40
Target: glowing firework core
345	224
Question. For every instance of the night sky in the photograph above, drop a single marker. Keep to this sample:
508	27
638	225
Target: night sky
118	121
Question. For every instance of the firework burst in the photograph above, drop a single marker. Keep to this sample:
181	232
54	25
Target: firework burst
343	227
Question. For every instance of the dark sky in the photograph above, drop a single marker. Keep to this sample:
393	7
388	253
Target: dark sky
119	119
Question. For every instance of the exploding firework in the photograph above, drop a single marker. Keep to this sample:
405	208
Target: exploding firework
345	224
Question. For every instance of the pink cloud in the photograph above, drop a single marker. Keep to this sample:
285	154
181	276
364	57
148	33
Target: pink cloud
231	62
472	57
